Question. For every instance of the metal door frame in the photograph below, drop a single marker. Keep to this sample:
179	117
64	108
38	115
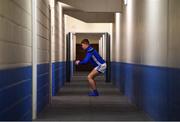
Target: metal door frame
68	56
108	58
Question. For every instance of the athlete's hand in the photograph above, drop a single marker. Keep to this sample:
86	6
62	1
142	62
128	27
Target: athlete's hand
77	62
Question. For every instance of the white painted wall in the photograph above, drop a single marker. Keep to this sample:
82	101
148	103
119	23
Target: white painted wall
55	41
101	47
104	46
155	33
15	33
77	26
131	33
113	43
43	50
145	32
174	34
118	37
150	33
58	46
61	41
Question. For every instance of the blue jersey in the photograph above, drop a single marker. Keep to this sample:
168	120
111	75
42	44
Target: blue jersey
93	57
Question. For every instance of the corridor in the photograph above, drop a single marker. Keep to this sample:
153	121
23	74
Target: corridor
41	43
73	104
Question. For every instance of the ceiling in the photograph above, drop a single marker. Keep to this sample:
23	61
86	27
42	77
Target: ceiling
93	37
92	11
91	17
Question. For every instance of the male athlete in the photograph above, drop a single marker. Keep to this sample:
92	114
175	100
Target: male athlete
98	63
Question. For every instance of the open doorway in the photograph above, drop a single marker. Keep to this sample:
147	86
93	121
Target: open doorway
80	53
99	41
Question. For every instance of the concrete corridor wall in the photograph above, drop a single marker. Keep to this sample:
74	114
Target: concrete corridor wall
15	60
58	50
16	57
148	67
43	53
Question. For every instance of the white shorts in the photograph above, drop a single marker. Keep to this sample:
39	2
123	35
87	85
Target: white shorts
101	68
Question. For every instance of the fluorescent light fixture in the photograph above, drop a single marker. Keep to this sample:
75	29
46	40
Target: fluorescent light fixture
125	2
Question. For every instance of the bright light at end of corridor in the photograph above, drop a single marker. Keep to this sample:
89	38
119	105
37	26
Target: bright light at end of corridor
125	2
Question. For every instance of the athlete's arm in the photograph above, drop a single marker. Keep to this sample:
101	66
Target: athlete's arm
86	59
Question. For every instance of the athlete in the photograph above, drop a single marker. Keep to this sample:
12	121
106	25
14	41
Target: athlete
98	63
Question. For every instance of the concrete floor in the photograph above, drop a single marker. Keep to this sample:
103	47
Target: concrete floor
73	104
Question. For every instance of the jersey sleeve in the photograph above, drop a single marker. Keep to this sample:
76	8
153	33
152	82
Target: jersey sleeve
86	59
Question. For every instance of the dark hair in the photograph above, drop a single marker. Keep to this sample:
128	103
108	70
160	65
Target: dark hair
85	41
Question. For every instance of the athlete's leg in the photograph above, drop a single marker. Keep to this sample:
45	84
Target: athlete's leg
91	80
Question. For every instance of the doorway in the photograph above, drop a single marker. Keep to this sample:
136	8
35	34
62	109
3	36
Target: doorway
99	41
80	54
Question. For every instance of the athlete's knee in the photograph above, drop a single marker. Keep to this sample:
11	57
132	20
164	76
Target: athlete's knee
89	77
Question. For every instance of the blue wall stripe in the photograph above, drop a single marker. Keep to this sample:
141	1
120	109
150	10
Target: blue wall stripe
113	72
12	95
16	85
58	76
43	79
15	93
17	112
43	98
155	92
42	68
174	93
12	76
116	71
26	116
153	89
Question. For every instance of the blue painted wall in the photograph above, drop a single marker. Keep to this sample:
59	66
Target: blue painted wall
113	69
58	76
174	93
16	90
153	89
116	71
16	94
43	78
